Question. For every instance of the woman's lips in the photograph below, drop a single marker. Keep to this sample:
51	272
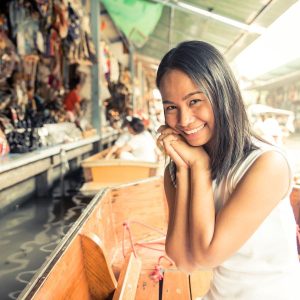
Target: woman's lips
193	131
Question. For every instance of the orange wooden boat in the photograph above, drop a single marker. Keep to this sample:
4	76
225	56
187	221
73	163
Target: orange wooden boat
100	172
115	250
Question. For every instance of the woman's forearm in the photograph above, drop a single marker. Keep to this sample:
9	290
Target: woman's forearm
177	240
201	215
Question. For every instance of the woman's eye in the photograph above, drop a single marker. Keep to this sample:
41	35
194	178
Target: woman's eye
171	107
194	101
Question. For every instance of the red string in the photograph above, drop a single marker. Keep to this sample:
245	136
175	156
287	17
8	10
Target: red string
126	226
145	245
157	273
148	226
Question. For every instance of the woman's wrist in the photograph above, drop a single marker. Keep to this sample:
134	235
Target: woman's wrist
201	168
182	170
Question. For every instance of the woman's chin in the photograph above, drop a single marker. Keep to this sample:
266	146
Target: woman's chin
193	141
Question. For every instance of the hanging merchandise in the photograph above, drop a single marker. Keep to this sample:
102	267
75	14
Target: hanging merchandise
30	67
78	44
18	13
29	38
136	18
114	69
39	39
8	56
4	146
61	22
43	71
104	58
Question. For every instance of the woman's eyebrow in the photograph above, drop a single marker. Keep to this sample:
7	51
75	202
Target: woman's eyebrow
168	102
191	94
184	98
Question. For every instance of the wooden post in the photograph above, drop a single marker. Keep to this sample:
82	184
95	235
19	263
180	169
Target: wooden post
95	29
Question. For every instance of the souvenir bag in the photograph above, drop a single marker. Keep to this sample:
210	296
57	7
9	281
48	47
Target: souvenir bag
4	146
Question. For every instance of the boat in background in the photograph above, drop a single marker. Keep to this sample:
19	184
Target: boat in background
100	172
115	250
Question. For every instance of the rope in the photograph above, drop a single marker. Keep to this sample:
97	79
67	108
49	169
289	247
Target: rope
126	226
157	273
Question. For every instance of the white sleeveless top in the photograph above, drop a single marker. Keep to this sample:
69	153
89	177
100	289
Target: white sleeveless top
266	267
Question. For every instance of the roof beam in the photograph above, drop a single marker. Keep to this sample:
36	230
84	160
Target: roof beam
180	5
171	26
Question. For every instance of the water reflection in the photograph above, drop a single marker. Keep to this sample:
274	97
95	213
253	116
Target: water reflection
30	233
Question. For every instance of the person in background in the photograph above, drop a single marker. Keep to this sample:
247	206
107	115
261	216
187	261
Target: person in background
227	191
267	127
72	100
141	145
123	138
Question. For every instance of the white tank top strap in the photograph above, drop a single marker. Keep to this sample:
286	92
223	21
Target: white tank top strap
239	171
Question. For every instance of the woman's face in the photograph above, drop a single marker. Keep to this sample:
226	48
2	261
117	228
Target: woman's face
186	108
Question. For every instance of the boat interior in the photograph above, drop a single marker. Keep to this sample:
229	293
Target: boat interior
115	250
100	172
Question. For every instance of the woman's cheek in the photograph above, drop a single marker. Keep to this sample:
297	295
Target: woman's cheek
170	121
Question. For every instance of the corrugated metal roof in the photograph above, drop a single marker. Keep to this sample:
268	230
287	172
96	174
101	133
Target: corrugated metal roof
177	24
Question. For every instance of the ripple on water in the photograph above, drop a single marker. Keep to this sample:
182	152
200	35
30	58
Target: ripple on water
29	234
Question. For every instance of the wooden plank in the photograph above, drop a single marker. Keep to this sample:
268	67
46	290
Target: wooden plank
66	279
175	286
100	277
19	174
79	151
119	173
128	279
100	223
141	202
200	283
147	288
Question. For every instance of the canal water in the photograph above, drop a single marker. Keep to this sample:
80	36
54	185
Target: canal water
31	231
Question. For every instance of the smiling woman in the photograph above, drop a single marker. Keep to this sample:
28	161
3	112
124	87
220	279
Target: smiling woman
227	190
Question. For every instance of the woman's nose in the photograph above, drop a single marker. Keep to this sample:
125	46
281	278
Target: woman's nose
185	118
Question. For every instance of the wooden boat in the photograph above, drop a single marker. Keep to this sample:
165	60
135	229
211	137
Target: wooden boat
100	172
125	221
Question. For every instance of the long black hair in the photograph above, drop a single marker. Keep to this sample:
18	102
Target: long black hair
207	68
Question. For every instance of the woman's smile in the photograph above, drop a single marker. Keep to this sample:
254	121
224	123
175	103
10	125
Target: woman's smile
193	131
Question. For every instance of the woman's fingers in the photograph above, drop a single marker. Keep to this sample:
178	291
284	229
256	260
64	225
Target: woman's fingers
165	134
162	128
165	129
165	142
169	143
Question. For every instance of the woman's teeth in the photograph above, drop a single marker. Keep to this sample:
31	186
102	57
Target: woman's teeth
194	130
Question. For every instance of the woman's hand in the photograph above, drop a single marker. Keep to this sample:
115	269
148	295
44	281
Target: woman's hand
183	154
164	143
